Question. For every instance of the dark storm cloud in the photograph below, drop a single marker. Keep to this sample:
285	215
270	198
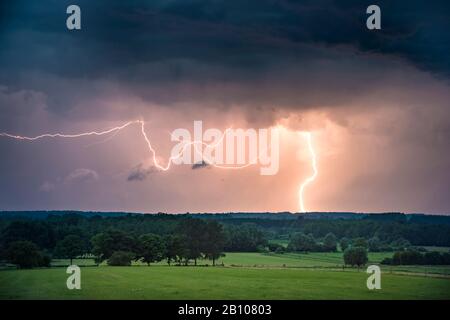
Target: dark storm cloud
167	52
247	36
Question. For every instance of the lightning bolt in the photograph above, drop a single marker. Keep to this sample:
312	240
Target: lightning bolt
310	179
167	166
115	130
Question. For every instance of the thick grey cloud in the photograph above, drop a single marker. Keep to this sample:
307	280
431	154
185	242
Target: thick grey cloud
223	32
260	55
215	38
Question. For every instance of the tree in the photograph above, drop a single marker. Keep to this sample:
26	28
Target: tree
330	242
414	257
344	243
433	258
214	241
69	248
38	232
400	244
244	238
407	257
25	254
175	248
151	248
355	256
360	242
193	231
374	244
105	243
301	242
121	258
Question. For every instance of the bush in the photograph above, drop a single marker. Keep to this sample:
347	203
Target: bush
280	250
262	249
121	258
275	247
355	256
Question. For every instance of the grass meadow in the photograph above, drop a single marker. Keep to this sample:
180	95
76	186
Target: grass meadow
238	276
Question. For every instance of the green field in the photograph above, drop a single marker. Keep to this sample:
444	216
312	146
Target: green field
162	282
322	260
254	259
244	276
308	260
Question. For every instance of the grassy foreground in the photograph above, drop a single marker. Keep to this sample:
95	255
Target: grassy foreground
162	282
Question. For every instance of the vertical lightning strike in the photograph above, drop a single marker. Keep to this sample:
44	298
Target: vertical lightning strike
315	171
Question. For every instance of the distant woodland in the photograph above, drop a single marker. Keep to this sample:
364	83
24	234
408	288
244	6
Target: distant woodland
119	238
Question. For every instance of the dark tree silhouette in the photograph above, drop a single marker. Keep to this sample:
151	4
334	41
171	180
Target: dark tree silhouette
214	241
151	248
69	248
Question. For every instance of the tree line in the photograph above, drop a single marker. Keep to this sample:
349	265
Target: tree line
192	239
120	240
180	239
302	242
415	257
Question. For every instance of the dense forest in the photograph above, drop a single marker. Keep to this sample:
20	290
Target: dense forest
120	238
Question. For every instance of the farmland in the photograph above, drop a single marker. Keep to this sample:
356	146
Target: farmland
256	256
242	276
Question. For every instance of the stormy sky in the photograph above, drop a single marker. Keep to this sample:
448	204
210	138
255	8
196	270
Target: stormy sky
376	102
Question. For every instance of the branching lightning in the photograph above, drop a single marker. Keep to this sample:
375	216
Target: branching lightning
167	166
314	167
115	130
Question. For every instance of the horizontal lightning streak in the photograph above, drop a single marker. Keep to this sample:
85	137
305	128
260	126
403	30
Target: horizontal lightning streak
62	135
145	136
